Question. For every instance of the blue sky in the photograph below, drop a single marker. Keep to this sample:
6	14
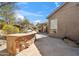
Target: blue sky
36	11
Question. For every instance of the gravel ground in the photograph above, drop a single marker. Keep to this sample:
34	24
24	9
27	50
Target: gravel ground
31	51
3	51
2	45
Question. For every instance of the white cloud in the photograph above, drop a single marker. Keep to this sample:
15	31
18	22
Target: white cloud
18	16
33	14
57	4
40	21
28	13
37	21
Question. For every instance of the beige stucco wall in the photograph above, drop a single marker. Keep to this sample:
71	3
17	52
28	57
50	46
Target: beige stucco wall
67	21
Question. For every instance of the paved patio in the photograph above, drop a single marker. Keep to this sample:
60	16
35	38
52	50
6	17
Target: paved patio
49	46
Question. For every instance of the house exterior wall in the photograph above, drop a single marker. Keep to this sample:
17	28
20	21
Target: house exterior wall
67	21
43	28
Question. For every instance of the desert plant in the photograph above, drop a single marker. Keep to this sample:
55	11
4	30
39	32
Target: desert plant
10	29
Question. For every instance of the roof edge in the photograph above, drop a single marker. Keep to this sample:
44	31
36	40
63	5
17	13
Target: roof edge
57	9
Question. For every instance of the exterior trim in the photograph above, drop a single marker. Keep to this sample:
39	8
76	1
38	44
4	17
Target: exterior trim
57	10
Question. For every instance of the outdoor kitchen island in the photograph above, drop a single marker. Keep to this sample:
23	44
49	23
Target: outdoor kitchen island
18	42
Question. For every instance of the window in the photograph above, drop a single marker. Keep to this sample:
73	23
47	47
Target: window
53	25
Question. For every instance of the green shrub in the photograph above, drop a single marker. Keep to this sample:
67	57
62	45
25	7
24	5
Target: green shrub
10	29
24	30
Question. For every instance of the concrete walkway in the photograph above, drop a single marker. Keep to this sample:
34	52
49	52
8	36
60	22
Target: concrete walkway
49	46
